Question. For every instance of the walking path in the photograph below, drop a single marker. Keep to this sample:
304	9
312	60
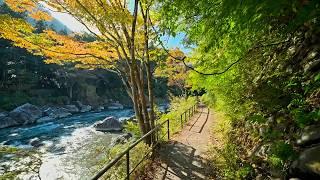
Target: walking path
184	156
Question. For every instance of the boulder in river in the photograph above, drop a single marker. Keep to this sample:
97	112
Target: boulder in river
99	109
6	121
115	106
57	112
25	114
83	108
72	108
35	142
109	124
3	114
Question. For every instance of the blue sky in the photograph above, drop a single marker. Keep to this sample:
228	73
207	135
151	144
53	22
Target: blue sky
74	25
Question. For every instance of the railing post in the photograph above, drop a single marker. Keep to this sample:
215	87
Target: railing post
192	111
185	116
189	113
181	121
168	129
128	165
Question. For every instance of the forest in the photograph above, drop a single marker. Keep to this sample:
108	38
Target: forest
250	68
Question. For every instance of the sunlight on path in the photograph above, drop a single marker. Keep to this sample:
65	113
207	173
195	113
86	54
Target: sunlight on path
184	156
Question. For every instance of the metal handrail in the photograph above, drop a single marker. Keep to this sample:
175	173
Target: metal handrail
127	150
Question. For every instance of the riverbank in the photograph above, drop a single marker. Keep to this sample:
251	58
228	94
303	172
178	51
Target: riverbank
64	146
30	114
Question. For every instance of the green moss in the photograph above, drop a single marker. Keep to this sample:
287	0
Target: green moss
4	150
132	128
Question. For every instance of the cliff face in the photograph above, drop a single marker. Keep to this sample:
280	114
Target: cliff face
26	78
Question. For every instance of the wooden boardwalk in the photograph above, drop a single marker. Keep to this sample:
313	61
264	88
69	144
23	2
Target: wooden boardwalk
184	156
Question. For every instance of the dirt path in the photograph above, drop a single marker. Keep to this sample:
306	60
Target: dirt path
184	156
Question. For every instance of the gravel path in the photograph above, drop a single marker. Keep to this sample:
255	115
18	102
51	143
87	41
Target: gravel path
184	156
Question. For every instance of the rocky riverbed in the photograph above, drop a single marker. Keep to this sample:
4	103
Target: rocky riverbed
69	147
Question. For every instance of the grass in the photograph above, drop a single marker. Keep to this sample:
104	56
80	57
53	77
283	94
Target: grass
223	154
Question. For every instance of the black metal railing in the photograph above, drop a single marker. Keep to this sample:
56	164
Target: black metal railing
185	116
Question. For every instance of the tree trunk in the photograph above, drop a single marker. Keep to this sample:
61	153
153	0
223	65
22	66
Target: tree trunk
148	67
136	84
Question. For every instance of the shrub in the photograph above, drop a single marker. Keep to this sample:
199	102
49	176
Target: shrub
177	107
133	128
224	153
119	170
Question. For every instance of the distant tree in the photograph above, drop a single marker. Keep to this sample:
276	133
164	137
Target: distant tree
40	26
85	37
4	9
63	31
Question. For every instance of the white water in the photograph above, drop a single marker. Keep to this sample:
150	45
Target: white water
70	147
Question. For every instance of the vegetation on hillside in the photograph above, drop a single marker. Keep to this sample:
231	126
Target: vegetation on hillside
258	62
26	78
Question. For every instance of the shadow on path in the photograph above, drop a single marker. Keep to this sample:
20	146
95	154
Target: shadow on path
205	122
196	120
183	157
180	162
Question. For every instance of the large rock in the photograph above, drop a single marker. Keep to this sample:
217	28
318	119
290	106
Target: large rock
115	106
78	104
6	121
26	114
307	166
99	109
57	112
3	114
310	135
109	124
72	108
83	108
35	142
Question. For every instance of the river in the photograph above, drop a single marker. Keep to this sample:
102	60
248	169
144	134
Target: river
69	147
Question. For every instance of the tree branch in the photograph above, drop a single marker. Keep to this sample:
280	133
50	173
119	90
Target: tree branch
214	73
